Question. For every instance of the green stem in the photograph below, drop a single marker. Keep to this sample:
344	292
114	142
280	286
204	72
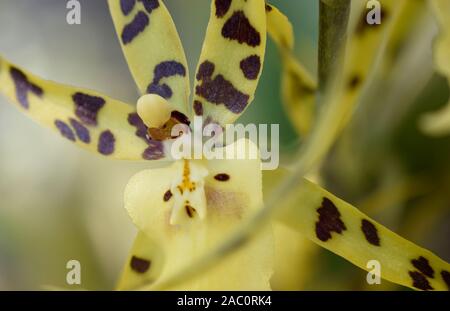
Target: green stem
333	21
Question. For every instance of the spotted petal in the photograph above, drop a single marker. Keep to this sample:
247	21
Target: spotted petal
344	230
152	48
231	60
438	123
233	191
298	86
94	122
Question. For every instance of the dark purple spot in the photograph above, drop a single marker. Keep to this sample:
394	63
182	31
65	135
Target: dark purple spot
150	5
168	69
154	151
423	266
127	6
238	28
180	117
190	211
167	196
141	128
135	27
139	265
222	7
420	281
81	131
205	71
446	277
251	67
219	90
222	177
106	143
23	86
65	130
354	82
329	220
162	90
370	232
87	107
165	70
198	108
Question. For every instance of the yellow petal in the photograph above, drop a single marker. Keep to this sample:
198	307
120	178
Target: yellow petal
279	28
233	193
144	264
438	123
93	121
298	87
152	48
231	60
343	229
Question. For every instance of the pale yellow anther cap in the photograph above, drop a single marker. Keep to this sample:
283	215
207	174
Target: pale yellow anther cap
154	110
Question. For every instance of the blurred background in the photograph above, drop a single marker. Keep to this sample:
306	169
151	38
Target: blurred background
59	203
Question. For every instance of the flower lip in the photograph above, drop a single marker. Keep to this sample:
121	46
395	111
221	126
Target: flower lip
188	189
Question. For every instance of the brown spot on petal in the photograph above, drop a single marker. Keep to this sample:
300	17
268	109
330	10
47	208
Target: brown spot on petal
198	108
423	266
239	28
251	67
222	177
140	265
420	281
329	221
370	232
354	82
167	195
190	210
446	277
222	7
218	90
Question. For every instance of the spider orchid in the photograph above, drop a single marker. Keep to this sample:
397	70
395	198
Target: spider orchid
301	204
193	213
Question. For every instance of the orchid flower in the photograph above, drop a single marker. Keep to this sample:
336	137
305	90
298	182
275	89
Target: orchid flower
195	215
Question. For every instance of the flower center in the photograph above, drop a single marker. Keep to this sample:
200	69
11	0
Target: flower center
160	116
188	189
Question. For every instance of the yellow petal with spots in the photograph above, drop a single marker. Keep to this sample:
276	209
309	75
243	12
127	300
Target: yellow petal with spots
152	48
343	229
297	85
232	191
94	122
438	123
231	60
144	263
